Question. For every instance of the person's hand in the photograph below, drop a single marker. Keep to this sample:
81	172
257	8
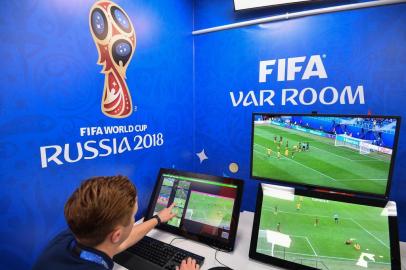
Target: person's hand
189	264
166	214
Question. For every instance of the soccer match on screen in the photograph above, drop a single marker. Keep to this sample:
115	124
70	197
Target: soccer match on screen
210	209
324	234
349	153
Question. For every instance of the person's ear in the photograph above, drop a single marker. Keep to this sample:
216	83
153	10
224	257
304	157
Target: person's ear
115	236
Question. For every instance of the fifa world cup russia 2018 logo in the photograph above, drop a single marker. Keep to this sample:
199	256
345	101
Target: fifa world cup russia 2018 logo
114	36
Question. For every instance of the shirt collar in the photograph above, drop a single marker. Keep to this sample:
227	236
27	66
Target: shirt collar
101	254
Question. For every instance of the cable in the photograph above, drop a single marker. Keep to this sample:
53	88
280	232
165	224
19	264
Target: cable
175	238
215	255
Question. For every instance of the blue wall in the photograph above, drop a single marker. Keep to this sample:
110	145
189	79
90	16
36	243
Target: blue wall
51	86
358	48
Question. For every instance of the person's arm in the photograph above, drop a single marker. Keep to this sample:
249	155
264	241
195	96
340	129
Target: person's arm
140	230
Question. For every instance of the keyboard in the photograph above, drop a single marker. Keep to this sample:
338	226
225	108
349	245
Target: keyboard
160	254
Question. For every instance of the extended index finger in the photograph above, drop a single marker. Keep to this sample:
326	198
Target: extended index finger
172	205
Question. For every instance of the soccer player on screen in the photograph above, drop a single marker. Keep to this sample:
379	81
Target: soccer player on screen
316	222
269	152
279	154
274	139
278	227
298	206
287	152
335	218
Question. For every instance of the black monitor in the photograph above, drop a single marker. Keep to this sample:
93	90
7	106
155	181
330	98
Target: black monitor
299	229
349	153
207	207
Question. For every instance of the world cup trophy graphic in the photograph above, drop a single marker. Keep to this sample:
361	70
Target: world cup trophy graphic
114	36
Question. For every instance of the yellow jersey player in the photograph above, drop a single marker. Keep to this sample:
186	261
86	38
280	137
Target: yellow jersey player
279	154
269	150
298	206
286	152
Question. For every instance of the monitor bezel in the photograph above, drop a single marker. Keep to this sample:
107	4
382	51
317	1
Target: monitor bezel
392	223
224	245
346	191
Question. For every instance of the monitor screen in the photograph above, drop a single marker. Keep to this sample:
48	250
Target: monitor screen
207	207
308	230
347	153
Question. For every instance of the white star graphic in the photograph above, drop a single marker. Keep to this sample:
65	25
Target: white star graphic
202	156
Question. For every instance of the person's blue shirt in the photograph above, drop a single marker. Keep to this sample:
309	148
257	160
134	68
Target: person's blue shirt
64	253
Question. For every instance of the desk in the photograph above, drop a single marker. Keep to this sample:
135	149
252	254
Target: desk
238	259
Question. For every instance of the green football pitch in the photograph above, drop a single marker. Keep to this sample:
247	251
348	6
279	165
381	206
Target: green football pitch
212	210
323	245
322	165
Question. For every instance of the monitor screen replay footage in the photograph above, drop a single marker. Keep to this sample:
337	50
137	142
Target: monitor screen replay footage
310	231
346	153
207	207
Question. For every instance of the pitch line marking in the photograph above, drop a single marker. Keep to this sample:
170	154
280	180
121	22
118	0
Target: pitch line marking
298	133
379	240
308	241
277	251
303	214
316	147
302	165
331	153
340	180
321	256
366	160
371	159
311	246
262	154
357	179
309	215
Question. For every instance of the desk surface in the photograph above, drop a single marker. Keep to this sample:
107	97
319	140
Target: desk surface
238	259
